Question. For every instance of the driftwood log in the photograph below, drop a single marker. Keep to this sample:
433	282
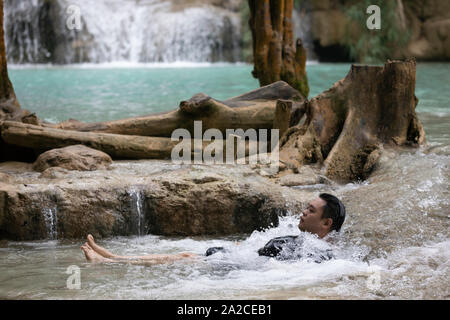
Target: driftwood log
346	125
148	137
42	139
39	139
255	109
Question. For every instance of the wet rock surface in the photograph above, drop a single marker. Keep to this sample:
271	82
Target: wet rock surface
140	197
304	176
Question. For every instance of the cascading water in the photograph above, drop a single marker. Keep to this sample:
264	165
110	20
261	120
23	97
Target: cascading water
51	221
39	31
24	42
137	204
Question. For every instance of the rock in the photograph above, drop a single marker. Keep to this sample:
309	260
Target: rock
202	178
12	167
54	173
225	206
305	176
171	201
5	177
77	157
328	27
428	23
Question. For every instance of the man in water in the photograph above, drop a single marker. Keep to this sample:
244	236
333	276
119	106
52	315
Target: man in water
322	215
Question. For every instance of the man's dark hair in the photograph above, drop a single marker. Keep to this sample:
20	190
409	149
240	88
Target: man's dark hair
334	209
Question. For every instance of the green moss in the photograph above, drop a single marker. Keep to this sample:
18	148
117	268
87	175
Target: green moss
302	86
299	3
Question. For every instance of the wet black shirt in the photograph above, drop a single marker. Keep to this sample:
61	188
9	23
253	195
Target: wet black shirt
287	248
291	247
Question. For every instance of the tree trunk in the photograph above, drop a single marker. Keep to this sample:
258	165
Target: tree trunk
346	125
275	57
255	109
9	106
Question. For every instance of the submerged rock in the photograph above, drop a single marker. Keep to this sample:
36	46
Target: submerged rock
77	157
142	197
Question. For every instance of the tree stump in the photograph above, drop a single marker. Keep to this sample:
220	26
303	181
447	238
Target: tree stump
346	125
9	106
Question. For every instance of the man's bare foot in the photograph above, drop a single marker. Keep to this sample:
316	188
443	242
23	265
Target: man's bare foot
100	250
93	256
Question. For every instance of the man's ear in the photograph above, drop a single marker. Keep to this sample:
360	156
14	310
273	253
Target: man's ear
328	222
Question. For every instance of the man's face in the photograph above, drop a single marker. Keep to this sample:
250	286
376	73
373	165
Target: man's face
311	220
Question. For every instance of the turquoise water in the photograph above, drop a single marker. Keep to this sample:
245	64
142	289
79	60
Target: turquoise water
101	93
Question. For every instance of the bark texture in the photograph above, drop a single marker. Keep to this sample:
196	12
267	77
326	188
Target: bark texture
346	125
276	57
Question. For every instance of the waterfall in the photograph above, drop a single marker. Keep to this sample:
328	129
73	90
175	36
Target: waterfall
22	31
137	214
51	222
37	31
302	29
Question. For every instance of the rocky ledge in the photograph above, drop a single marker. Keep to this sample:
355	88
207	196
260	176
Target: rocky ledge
140	197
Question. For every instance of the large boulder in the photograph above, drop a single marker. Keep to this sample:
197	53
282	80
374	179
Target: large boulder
77	157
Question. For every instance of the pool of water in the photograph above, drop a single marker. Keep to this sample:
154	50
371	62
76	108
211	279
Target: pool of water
116	91
394	244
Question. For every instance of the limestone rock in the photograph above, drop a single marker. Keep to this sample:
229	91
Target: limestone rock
54	173
77	157
165	198
305	176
